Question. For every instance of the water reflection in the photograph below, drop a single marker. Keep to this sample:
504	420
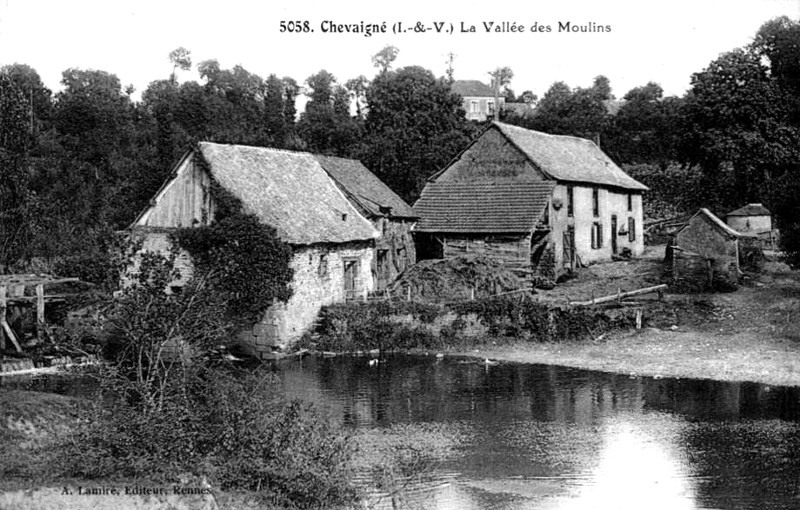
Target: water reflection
518	436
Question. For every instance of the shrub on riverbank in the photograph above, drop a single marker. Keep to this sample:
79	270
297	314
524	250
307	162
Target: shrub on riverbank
397	325
169	410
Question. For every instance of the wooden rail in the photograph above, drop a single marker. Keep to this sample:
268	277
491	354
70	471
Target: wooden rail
620	295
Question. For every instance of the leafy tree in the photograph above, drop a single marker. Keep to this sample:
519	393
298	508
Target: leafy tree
38	97
738	127
528	97
14	143
326	125
578	112
645	130
384	58
181	58
415	124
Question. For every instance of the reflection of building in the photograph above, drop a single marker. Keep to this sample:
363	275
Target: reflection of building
479	99
534	201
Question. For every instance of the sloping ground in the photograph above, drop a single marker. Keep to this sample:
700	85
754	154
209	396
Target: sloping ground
454	279
608	278
752	334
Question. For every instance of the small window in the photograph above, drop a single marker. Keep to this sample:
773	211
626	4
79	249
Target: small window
490	107
570	201
597	235
322	269
631	229
546	215
630	201
473	107
596	202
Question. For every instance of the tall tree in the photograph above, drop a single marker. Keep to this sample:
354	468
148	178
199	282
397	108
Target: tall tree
383	59
180	58
739	127
415	124
326	125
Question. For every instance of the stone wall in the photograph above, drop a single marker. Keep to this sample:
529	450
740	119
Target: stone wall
701	236
400	252
319	280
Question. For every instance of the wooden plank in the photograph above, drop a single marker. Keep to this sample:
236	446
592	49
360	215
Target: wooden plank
4	323
620	295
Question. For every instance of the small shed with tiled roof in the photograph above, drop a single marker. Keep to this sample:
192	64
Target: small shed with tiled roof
391	216
752	219
543	203
478	99
332	241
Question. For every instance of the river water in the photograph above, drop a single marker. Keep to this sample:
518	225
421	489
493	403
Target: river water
523	436
519	436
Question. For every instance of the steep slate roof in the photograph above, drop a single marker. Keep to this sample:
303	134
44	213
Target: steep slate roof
568	158
365	188
715	221
482	207
289	191
471	88
751	210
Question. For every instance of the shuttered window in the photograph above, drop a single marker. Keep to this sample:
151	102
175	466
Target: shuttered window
597	235
631	229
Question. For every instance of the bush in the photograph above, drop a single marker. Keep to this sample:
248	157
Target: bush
167	408
229	427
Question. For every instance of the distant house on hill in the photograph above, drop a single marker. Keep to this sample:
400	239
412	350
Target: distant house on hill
479	99
391	216
540	203
706	248
333	243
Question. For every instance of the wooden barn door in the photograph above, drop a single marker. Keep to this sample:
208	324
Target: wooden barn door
350	272
382	269
569	248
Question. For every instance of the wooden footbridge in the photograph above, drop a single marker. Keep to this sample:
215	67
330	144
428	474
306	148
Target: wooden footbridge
26	291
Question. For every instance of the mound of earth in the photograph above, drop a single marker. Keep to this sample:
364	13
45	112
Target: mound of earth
454	279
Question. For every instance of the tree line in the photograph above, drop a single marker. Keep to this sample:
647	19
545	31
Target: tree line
82	162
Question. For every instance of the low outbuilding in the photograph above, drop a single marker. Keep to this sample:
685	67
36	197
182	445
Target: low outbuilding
705	249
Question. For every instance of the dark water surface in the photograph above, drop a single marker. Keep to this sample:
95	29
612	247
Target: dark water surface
519	436
522	436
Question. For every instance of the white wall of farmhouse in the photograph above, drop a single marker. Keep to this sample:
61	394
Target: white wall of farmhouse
611	202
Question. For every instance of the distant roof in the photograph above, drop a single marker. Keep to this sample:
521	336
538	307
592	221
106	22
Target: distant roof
751	210
289	191
365	187
482	207
472	88
721	225
568	158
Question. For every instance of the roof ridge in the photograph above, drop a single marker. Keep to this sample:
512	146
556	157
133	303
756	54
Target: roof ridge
260	147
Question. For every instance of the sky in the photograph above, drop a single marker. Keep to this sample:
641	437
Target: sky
630	42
